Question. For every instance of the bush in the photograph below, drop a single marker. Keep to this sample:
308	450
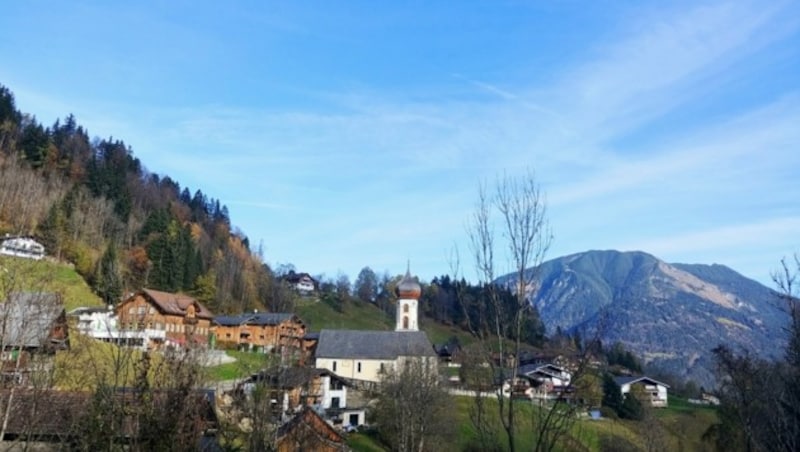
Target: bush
608	412
631	408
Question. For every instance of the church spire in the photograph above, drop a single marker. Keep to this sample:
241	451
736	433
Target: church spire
408	292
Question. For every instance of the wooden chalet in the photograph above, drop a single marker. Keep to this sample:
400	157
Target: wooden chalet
182	317
260	331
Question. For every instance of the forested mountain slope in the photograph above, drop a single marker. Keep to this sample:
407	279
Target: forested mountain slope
94	204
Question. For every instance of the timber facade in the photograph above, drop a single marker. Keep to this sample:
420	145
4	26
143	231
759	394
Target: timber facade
181	317
260	331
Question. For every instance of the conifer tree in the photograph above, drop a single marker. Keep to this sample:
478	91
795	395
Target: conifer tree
109	276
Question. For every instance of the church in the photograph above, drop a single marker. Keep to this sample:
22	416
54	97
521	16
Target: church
366	355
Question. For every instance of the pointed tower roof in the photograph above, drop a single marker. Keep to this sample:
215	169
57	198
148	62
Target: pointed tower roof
408	287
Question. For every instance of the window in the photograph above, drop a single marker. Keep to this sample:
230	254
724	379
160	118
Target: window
359	367
405	322
131	310
152	310
334	366
383	368
140	310
335	402
405	308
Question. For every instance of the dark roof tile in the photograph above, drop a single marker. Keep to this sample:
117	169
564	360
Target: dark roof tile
373	344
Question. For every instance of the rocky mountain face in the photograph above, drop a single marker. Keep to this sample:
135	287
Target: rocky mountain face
670	315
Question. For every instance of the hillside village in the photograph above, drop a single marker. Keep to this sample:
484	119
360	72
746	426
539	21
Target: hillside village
321	385
135	316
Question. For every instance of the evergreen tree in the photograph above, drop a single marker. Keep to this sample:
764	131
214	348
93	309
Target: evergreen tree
109	276
631	408
612	393
35	142
53	230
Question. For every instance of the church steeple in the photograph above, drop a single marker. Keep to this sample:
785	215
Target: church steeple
408	292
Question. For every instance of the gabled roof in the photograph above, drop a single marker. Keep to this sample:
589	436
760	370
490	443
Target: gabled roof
293	277
354	344
545	369
449	348
175	304
629	380
260	319
88	310
26	318
313	430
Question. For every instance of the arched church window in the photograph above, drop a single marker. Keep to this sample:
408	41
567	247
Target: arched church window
405	322
405	308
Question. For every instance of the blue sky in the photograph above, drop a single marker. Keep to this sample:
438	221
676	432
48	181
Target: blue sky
349	134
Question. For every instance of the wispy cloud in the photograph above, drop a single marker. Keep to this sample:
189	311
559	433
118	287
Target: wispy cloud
642	138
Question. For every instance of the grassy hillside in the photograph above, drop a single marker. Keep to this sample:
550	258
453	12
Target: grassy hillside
682	426
354	316
364	316
17	274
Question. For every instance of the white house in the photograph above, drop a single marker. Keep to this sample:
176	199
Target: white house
655	390
549	374
294	388
366	355
544	381
22	247
102	324
302	282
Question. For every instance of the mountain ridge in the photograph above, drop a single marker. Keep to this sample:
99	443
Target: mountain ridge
671	315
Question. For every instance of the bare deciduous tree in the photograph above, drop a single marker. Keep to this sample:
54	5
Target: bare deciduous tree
413	411
527	237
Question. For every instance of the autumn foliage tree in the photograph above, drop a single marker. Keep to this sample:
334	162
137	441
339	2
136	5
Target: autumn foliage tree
82	195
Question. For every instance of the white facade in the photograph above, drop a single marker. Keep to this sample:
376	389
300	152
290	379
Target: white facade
103	326
407	319
334	393
656	391
552	374
22	247
356	369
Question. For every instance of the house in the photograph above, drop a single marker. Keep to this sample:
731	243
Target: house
102	324
30	323
260	331
652	389
22	247
182	318
550	375
308	431
294	388
365	355
544	380
302	282
449	353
